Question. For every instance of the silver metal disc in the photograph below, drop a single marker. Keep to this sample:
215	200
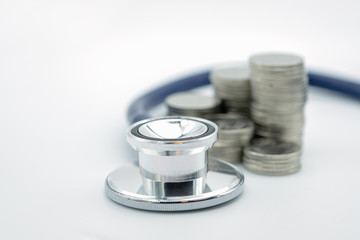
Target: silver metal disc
190	101
223	183
276	61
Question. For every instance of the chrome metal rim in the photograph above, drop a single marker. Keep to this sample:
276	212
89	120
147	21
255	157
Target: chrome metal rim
224	182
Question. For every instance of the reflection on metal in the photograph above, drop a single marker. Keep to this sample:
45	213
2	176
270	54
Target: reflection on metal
175	173
223	183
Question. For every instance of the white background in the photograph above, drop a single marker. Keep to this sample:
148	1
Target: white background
68	70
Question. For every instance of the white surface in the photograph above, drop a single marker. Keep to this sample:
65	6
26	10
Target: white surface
68	69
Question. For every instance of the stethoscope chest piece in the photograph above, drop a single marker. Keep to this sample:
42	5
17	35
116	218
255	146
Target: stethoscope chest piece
174	171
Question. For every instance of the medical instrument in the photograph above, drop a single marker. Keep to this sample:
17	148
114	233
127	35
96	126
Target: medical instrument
173	163
271	157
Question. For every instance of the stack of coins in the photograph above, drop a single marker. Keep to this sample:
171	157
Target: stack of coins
271	157
192	104
232	85
279	92
234	132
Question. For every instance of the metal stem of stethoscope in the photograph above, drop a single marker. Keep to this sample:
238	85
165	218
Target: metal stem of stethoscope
175	171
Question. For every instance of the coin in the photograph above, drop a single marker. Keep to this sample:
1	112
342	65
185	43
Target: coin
272	157
276	61
192	104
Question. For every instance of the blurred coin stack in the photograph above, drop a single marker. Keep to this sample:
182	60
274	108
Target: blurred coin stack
235	132
192	104
272	157
279	91
232	85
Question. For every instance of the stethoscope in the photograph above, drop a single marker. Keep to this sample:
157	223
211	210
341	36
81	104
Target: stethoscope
175	173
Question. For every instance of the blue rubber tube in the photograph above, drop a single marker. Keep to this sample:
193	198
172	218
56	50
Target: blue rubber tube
139	108
340	85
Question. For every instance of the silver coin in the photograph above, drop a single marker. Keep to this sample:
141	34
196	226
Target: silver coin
279	89
283	133
297	71
282	161
270	114
271	166
284	95
189	102
280	127
272	148
195	111
293	77
256	169
279	100
276	70
281	119
233	75
237	103
298	139
272	157
281	86
236	96
280	131
280	109
233	91
280	93
276	61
